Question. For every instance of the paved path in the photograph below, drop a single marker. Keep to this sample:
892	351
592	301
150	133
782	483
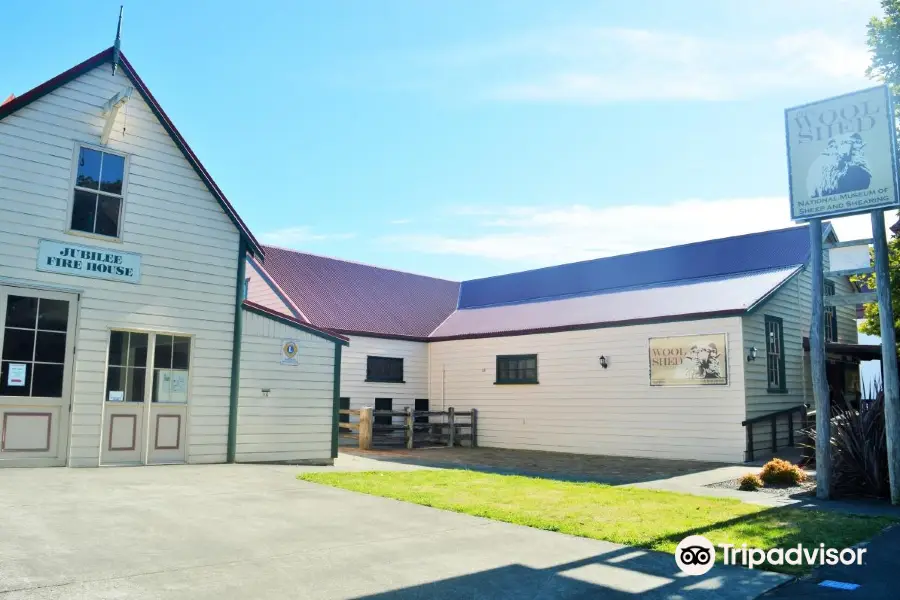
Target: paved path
254	531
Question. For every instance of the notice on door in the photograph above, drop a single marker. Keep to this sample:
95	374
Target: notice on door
17	374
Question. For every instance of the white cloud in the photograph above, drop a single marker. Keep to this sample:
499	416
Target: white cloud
534	236
295	236
611	64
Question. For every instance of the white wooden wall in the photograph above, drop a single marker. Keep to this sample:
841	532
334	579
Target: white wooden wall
580	407
294	421
363	393
189	249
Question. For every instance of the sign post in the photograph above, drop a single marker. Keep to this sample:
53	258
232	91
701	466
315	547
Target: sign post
842	160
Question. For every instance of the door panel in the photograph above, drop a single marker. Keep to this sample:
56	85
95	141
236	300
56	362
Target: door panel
167	433
37	346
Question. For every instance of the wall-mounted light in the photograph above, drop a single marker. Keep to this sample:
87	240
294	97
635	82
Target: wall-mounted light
751	354
603	362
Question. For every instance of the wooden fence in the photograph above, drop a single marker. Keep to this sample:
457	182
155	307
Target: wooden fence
410	428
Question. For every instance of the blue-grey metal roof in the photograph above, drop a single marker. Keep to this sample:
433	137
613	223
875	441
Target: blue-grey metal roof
723	296
690	262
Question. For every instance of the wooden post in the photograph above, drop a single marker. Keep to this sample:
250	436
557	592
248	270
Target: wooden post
410	429
451	419
888	354
474	428
365	428
817	363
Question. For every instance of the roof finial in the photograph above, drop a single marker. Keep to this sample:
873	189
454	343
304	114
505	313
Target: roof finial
118	43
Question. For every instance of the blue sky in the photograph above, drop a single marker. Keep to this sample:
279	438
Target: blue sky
475	137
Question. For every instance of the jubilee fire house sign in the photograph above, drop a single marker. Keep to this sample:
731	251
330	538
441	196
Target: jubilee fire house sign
85	261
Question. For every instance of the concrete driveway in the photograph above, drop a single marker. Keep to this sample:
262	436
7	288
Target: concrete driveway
253	531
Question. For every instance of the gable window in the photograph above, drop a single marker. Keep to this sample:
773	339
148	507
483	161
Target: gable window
99	193
775	354
831	330
384	369
517	368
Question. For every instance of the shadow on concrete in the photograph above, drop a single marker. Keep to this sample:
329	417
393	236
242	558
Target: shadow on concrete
612	470
624	573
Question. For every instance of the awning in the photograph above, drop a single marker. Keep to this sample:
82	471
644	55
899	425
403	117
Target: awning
860	351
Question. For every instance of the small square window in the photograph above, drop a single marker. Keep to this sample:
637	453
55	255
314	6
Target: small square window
517	369
99	193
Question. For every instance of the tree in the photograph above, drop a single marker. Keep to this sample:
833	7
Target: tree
884	44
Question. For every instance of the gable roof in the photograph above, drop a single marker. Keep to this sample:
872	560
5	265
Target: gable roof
351	297
652	268
106	56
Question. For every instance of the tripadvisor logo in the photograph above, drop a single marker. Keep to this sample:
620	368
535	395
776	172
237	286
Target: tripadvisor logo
696	555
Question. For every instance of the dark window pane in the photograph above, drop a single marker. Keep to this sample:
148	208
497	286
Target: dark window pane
113	173
135	385
118	348
21	311
163	355
137	349
48	381
83	211
345	405
53	315
50	347
181	356
115	380
13	390
88	168
18	344
383	404
108	215
421	404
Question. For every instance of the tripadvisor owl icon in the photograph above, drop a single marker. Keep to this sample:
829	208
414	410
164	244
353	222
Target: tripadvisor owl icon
695	555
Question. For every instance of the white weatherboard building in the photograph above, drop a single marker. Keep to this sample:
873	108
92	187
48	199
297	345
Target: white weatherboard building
124	337
660	354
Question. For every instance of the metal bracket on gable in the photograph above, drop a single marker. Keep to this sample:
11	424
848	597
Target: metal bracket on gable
111	109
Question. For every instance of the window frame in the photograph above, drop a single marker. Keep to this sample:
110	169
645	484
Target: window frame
370	379
151	365
830	325
782	384
507	357
73	177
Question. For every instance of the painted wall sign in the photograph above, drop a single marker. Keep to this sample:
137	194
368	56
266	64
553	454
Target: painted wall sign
841	155
689	360
87	261
290	350
16	375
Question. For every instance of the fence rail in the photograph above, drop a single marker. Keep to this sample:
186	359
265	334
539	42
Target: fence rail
409	428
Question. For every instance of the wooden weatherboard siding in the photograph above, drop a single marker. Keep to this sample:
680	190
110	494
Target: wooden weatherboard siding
363	393
793	305
294	421
188	248
580	407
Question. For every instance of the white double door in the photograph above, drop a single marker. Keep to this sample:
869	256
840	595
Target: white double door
146	398
37	347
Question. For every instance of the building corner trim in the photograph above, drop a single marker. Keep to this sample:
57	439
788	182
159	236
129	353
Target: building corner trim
336	400
236	351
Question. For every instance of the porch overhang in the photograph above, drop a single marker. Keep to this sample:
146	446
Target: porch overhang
857	351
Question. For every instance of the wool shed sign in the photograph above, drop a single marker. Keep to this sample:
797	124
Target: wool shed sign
86	261
689	360
842	155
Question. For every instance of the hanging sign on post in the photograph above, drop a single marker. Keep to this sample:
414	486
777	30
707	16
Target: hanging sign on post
842	155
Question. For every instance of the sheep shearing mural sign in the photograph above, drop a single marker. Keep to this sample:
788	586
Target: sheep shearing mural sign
841	155
689	360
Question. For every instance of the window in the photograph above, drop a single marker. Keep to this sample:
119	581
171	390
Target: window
171	366
126	373
34	347
421	404
831	330
380	368
519	368
98	195
383	404
775	354
344	405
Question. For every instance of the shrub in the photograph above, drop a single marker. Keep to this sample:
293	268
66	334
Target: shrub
859	464
781	472
750	482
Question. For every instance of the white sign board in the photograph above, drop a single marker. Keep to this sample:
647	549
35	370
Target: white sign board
87	261
290	351
16	375
849	258
116	396
841	155
172	386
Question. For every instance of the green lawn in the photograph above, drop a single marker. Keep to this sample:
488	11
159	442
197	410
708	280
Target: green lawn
632	516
